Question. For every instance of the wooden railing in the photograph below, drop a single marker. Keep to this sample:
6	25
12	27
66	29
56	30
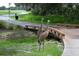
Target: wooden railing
55	32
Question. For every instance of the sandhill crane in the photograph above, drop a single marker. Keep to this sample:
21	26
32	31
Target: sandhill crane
42	35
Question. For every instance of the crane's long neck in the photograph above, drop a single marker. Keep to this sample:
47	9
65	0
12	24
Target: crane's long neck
41	26
47	26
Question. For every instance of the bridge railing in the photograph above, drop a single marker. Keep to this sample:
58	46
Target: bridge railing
57	33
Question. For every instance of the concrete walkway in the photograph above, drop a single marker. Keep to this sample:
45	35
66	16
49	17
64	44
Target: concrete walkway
71	42
6	18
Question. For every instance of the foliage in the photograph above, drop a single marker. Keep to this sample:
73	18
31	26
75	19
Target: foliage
9	26
69	10
2	24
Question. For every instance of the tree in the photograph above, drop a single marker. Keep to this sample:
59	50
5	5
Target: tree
68	10
2	8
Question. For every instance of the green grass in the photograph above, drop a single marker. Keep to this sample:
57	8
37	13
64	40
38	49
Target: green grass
54	19
2	12
28	47
37	19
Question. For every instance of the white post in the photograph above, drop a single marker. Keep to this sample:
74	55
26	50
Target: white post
9	9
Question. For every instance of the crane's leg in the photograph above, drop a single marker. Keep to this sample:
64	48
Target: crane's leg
43	45
39	44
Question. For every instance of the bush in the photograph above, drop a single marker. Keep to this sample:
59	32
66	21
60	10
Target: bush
9	26
2	24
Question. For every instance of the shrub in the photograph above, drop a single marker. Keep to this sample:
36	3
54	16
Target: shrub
2	25
9	26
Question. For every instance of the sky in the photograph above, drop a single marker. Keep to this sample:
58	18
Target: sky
39	1
7	4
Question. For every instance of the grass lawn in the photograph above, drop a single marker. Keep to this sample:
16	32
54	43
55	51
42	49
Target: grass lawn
5	12
54	19
37	19
2	12
28	47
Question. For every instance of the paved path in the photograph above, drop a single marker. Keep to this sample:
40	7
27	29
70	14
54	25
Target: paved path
71	42
6	18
